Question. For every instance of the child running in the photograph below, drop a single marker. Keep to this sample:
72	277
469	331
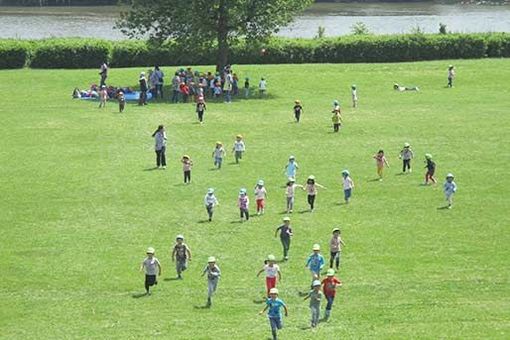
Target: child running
354	94
337	117
213	276
329	285
218	154
239	148
298	109
449	189
103	96
210	202
187	164
380	161
291	167
152	268
260	197
273	305
451	75
311	189
406	154
181	255
315	296
335	247
348	185
201	107
122	101
315	262
290	191
272	272
285	235
243	203
431	169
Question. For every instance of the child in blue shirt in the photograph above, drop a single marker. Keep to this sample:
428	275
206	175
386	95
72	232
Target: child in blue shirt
291	167
274	314
315	262
449	189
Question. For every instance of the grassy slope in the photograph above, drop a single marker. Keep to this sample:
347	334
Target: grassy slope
79	209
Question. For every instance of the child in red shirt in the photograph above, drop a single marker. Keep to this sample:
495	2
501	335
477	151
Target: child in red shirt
184	92
329	285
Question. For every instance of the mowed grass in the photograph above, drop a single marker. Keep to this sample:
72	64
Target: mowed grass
79	206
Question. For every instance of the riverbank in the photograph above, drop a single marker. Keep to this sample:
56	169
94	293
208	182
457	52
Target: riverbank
336	18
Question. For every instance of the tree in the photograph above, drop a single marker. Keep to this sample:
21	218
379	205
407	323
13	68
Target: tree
200	24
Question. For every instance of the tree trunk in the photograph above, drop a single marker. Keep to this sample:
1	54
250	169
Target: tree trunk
223	46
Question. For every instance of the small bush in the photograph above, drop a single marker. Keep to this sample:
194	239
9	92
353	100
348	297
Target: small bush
70	53
13	54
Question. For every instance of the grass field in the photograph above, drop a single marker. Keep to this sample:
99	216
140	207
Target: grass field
79	206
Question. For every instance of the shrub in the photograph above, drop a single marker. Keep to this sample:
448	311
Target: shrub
498	45
13	54
70	53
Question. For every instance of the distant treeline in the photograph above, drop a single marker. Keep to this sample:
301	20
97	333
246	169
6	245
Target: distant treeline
57	2
114	2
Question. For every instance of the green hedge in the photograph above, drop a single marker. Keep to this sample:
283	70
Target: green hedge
70	53
13	54
90	53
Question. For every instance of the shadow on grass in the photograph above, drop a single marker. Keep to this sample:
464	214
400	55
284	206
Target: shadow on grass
445	207
139	295
151	169
375	180
202	307
171	279
304	211
259	301
237	222
305	328
203	221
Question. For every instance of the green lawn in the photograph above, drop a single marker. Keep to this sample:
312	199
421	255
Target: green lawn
79	208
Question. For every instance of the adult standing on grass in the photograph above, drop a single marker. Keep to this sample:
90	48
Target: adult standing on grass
181	254
213	275
103	72
158	81
160	146
285	235
274	314
176	82
143	89
152	268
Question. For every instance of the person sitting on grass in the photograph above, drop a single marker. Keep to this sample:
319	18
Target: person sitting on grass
399	88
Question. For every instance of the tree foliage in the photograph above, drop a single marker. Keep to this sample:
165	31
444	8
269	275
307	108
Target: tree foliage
205	24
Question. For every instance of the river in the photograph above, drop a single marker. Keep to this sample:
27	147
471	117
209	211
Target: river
336	18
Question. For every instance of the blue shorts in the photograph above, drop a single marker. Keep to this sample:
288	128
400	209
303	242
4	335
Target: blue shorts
347	193
276	323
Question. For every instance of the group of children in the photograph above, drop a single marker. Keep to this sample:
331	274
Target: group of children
315	263
181	255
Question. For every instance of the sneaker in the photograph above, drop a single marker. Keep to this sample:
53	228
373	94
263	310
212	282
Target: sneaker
164	167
